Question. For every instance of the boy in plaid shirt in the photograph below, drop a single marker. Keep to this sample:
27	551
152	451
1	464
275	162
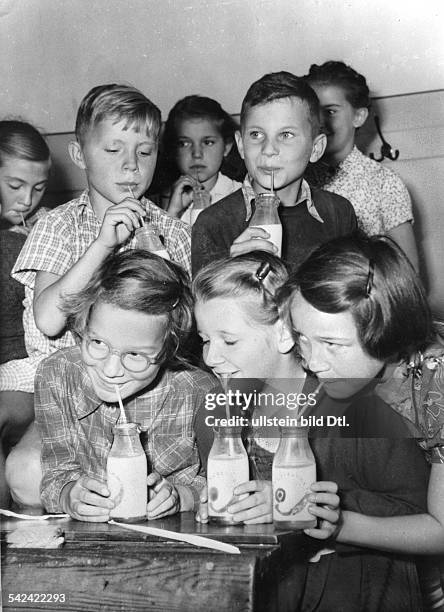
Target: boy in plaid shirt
117	130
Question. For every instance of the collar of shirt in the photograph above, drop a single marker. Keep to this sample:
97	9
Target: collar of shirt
304	196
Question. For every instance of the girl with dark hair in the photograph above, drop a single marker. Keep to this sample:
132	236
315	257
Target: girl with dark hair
132	320
364	328
197	150
379	197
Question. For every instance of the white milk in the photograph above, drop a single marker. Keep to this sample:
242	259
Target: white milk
224	474
291	487
127	483
275	232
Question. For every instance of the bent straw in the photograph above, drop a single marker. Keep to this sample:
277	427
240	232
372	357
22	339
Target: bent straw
122	410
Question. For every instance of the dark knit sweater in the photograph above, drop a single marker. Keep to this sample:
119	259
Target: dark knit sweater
219	225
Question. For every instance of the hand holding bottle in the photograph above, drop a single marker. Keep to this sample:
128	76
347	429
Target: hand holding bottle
325	505
87	499
120	221
253	239
257	507
181	195
164	498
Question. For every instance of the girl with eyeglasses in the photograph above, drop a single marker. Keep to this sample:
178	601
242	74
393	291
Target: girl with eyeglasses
133	320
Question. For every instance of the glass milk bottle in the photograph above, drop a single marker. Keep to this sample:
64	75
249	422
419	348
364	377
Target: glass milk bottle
148	239
226	469
266	216
201	200
294	471
127	473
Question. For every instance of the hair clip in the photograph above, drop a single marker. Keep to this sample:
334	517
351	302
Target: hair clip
371	272
174	304
263	271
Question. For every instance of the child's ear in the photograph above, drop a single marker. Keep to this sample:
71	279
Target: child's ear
319	144
285	337
240	144
227	148
76	154
360	117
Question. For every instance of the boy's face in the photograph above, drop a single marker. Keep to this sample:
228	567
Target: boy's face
278	136
22	185
114	159
124	331
339	120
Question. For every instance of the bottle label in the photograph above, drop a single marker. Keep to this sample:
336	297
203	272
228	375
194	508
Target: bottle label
224	474
127	483
291	488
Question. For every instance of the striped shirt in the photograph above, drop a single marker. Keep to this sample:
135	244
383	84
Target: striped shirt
57	241
76	426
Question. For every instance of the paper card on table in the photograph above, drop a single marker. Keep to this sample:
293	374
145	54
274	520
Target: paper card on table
182	537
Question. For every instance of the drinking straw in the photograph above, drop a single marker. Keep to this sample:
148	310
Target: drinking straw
23	220
272	180
122	410
133	196
303	409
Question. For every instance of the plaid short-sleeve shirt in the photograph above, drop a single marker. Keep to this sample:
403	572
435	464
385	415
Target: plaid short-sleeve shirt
57	241
76	426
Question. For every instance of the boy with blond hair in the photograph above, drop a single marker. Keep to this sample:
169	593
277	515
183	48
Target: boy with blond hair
117	132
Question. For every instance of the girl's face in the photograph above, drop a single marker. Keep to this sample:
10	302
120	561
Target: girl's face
200	150
235	344
330	347
123	331
22	185
339	120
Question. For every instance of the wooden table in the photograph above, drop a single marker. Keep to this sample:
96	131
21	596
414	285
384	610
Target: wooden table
105	567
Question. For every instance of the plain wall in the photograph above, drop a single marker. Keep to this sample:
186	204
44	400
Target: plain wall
54	51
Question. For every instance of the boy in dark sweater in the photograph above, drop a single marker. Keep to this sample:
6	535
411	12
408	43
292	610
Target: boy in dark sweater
280	136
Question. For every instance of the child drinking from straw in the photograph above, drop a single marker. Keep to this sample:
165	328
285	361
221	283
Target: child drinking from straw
24	171
245	335
132	320
197	143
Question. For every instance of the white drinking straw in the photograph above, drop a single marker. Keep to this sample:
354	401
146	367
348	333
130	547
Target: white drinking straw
122	410
23	220
272	180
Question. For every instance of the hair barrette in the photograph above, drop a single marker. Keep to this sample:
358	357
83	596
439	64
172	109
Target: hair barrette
174	304
263	271
370	275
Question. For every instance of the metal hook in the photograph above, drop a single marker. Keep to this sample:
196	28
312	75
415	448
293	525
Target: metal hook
386	149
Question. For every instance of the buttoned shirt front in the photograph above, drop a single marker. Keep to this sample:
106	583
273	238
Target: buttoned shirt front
76	426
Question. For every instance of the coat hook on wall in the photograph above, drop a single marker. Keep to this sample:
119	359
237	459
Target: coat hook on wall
386	149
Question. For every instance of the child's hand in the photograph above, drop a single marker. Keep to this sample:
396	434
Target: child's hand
202	513
164	497
181	195
256	508
252	239
326	507
87	500
120	221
